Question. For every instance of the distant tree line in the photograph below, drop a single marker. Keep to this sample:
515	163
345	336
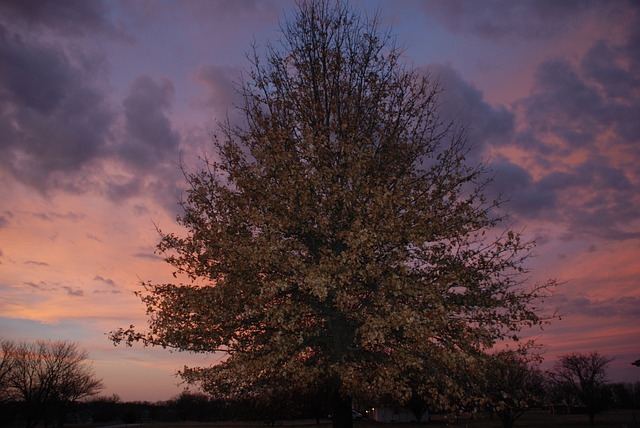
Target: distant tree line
200	407
62	389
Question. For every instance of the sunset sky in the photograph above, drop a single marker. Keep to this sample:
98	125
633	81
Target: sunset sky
100	101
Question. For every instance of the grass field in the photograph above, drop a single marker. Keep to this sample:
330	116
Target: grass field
611	419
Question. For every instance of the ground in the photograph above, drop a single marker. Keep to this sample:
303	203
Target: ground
533	419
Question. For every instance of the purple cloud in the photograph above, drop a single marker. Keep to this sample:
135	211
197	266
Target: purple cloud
106	281
220	84
53	216
575	113
5	218
464	104
625	306
74	292
69	17
527	19
150	136
55	117
38	286
521	194
35	263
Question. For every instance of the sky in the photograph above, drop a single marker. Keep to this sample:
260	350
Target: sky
101	101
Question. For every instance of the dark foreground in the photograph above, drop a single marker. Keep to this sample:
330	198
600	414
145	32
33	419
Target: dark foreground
540	419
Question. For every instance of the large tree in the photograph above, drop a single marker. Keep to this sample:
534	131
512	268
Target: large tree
582	377
338	237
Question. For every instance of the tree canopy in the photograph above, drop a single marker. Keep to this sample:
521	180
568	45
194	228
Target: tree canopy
338	238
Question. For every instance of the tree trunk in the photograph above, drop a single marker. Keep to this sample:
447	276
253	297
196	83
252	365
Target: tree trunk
342	417
508	417
508	422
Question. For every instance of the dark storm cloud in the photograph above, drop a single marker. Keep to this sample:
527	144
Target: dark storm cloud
575	114
577	104
150	137
564	106
69	17
123	189
530	19
225	11
515	186
148	146
54	117
34	76
592	198
58	125
603	64
463	103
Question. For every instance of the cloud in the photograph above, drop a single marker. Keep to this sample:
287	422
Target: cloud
150	136
463	103
59	130
35	263
604	63
573	106
625	306
41	285
565	112
150	256
62	129
5	219
591	198
106	281
54	216
107	292
521	194
93	237
576	113
74	292
220	84
55	119
226	10
147	150
70	17
527	19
